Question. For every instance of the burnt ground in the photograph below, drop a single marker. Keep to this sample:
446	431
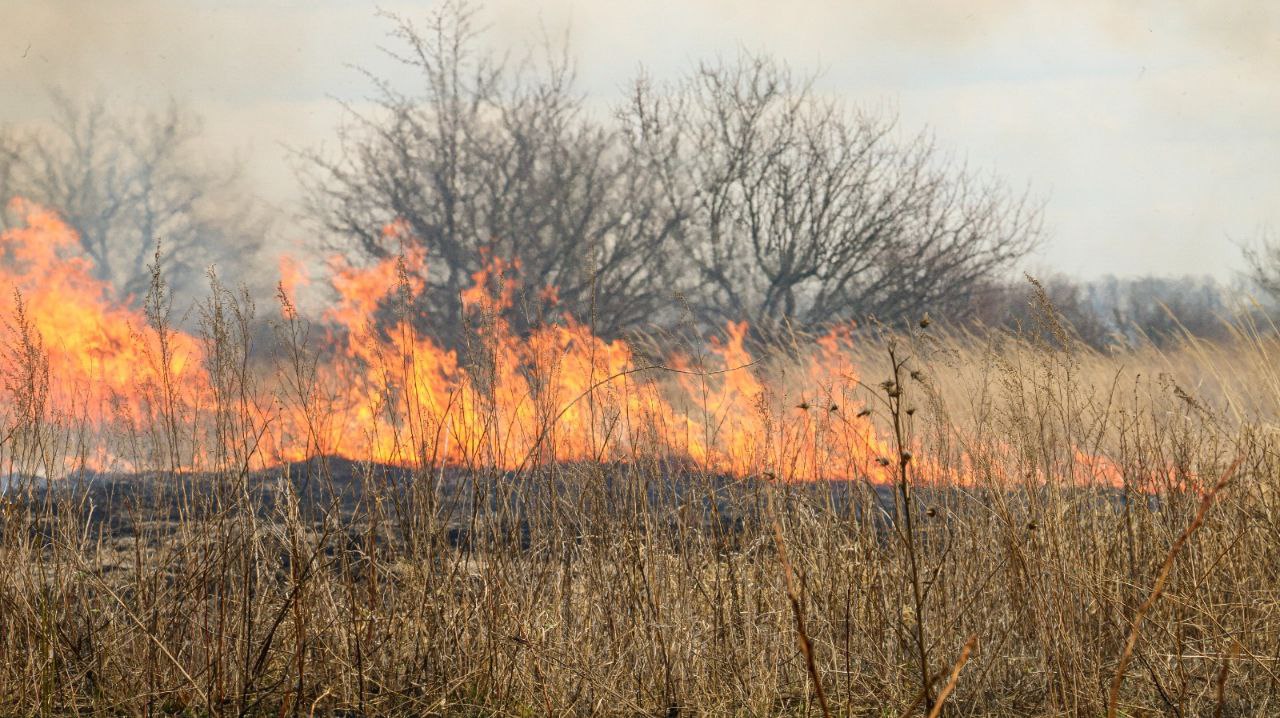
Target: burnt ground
574	498
118	504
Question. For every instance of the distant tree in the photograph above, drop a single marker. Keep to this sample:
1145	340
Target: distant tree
10	155
1011	305
1262	260
1165	310
494	159
125	181
790	207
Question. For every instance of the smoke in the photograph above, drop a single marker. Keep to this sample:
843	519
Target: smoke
1168	88
232	54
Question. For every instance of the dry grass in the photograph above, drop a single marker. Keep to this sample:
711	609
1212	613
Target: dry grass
650	587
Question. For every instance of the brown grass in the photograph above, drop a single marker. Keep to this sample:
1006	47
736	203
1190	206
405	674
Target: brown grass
650	587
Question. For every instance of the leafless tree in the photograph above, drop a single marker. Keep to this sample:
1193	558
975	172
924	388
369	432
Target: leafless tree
740	188
494	159
1119	312
1012	304
1165	310
10	156
791	207
125	181
1262	265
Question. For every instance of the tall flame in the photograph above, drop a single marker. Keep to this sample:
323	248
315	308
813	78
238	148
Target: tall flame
71	349
381	391
561	393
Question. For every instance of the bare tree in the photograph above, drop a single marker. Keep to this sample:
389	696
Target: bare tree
10	156
1262	260
1011	304
127	181
494	159
740	188
1119	312
1165	310
791	207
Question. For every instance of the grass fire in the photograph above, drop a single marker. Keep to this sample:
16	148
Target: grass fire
725	394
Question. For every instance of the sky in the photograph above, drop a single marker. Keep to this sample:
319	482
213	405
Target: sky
1151	130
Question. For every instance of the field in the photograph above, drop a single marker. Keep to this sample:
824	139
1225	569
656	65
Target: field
882	522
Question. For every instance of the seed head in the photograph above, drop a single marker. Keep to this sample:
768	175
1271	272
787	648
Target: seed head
931	512
906	456
924	321
833	408
911	410
863	413
882	461
803	406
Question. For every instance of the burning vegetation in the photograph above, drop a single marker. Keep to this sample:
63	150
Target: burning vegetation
377	389
582	416
345	514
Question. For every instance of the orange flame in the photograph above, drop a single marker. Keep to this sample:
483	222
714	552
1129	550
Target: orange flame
385	393
103	359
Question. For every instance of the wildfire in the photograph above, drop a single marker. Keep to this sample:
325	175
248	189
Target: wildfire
561	393
380	391
70	351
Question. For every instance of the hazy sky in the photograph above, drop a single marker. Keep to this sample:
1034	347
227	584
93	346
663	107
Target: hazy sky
1152	129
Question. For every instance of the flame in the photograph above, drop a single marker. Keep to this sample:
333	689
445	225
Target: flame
564	394
381	391
100	358
293	276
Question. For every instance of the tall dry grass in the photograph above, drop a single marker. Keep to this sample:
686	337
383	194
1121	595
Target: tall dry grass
202	586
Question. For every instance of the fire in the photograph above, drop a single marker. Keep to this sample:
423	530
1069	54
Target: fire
380	391
564	394
97	357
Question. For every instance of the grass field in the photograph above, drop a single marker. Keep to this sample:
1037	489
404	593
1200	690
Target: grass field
935	524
